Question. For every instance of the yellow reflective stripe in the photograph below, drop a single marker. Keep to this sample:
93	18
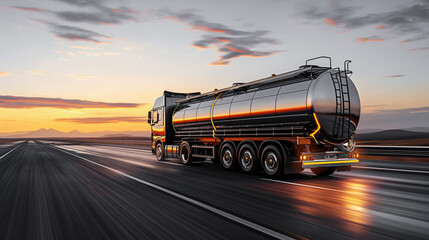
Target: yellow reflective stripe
318	127
211	114
329	162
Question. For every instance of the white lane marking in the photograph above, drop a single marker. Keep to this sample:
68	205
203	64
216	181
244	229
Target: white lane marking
9	152
302	185
219	212
392	169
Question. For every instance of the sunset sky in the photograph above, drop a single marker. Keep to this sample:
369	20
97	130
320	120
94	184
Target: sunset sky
97	65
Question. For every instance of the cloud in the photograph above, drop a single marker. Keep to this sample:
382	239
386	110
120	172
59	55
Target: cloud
231	43
99	14
76	34
394	76
3	74
98	120
369	39
382	26
30	9
82	47
330	22
40	102
410	20
36	72
417	49
103	15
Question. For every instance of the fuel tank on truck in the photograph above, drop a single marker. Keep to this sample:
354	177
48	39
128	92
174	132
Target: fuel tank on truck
286	105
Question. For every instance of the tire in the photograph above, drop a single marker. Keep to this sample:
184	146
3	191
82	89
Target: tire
228	157
185	153
159	151
247	159
272	161
323	171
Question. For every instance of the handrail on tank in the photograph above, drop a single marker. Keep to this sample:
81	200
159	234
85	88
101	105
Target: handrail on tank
311	59
346	66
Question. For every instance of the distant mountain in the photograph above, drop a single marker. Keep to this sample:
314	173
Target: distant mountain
117	136
52	133
418	129
394	134
368	130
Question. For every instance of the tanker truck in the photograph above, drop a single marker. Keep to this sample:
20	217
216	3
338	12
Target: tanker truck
281	124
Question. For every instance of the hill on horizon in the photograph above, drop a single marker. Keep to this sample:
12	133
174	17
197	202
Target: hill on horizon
53	133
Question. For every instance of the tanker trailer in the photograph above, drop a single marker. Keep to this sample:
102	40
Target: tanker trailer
285	123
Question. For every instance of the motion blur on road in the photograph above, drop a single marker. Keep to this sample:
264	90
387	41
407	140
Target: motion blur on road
64	190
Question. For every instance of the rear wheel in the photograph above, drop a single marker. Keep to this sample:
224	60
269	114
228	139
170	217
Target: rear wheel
272	161
323	171
247	158
227	157
185	153
159	152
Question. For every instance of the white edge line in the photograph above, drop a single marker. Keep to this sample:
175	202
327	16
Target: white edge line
9	152
224	214
302	185
391	169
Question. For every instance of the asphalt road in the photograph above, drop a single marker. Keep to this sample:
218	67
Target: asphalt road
53	190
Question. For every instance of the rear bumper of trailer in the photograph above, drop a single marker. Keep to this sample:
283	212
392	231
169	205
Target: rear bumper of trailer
329	159
329	163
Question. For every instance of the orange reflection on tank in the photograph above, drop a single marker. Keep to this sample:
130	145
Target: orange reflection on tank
292	109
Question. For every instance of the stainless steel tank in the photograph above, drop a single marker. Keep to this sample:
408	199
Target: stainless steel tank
282	106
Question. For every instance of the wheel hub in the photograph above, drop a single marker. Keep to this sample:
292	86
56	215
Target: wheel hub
271	162
227	157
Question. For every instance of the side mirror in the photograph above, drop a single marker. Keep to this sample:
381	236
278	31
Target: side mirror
149	117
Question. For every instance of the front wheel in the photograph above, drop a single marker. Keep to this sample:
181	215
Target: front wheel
159	152
272	161
185	153
323	171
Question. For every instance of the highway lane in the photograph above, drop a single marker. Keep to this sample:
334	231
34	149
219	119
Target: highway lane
60	190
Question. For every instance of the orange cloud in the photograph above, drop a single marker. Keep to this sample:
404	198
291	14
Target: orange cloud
330	22
382	26
40	102
199	47
236	49
362	40
2	74
207	29
99	120
82	47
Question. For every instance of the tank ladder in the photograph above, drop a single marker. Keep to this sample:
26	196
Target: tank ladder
342	96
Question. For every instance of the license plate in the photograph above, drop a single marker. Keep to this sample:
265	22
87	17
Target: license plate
330	156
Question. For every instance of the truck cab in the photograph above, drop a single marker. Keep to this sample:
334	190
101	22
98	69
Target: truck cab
159	118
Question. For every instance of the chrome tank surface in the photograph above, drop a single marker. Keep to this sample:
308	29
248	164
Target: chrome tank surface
321	99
